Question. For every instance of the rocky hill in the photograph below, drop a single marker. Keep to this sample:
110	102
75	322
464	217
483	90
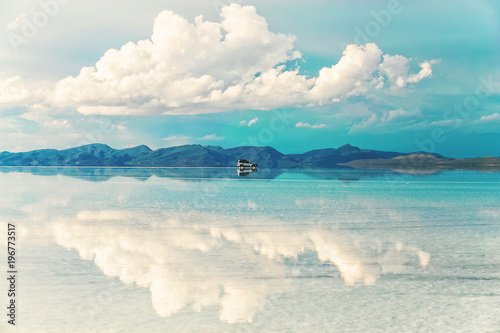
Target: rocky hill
191	156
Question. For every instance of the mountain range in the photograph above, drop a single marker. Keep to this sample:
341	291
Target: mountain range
193	156
425	164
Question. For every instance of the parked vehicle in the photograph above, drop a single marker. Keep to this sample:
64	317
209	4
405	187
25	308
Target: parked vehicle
242	164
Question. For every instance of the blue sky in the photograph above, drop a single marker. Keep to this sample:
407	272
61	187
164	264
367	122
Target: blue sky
416	74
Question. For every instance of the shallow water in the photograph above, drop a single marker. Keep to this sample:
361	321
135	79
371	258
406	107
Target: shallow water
208	250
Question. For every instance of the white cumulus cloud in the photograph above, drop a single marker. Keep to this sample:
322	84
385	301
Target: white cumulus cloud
253	122
13	90
307	125
495	117
206	67
395	114
396	68
211	137
177	137
249	123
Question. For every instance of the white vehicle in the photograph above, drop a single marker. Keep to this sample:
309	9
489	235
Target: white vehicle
242	164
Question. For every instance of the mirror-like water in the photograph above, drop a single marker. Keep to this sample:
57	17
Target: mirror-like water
209	250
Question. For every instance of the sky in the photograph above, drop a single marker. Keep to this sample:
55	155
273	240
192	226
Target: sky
396	75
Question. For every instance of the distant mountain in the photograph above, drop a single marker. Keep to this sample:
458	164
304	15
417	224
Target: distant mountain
266	157
392	154
422	164
142	156
331	157
89	155
184	156
328	158
191	156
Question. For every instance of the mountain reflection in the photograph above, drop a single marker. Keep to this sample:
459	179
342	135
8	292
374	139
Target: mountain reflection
100	174
199	259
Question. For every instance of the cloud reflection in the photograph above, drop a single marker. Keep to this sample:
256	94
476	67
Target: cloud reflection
196	259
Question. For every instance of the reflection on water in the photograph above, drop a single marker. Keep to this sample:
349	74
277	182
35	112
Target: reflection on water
189	260
106	173
242	172
300	252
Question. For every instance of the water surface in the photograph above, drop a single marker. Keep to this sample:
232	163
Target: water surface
208	250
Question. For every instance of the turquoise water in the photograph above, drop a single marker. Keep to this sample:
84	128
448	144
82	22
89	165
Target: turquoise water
208	250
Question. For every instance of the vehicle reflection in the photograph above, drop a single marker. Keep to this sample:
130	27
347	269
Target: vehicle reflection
245	171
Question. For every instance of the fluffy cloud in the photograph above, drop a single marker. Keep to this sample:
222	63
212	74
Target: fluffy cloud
184	65
352	75
13	90
382	121
211	137
253	122
371	121
395	114
495	117
37	127
307	125
205	67
250	123
177	137
396	69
